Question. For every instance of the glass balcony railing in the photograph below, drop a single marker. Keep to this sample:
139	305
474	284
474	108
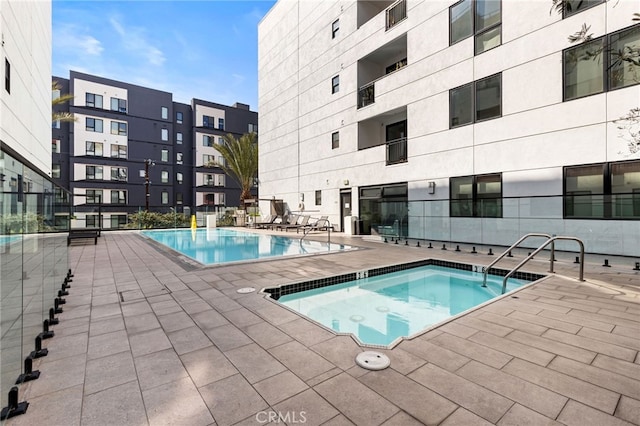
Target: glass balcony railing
366	95
397	151
396	13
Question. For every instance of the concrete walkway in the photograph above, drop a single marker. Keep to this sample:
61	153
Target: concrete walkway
148	339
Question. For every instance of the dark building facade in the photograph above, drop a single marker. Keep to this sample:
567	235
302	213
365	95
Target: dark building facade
132	148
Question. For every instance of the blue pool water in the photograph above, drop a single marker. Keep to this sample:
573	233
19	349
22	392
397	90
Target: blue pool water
380	309
222	245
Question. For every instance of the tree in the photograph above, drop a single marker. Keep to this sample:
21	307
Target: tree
240	161
59	100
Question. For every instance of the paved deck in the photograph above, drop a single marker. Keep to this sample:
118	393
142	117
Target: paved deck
146	339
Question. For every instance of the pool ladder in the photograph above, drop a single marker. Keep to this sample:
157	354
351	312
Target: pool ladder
550	240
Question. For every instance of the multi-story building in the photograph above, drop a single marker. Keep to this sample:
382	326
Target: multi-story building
33	253
472	121
133	148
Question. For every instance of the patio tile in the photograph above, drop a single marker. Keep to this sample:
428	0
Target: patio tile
522	416
195	306
435	354
120	405
109	371
628	409
546	322
326	376
473	397
593	345
301	360
176	403
306	332
280	387
611	338
315	409
166	307
420	402
209	319
136	308
254	363
628	369
462	417
227	337
64	346
57	375
520	350
357	402
577	414
580	321
148	342
106	325
339	350
139	323
188	340
338	420
232	399
103	311
489	327
553	346
458	330
266	335
159	368
175	321
532	396
579	390
242	317
473	350
513	323
58	408
402	419
107	344
276	315
402	361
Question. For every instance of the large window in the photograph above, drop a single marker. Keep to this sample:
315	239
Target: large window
119	174
602	191
476	196
481	18
118	221
118	128
119	105
179	138
164	112
208	160
571	7
118	151
164	176
93	101
118	197
94	148
598	66
208	122
164	134
221	123
179	117
94	172
335	84
164	197
477	101
92	221
208	140
93	125
93	196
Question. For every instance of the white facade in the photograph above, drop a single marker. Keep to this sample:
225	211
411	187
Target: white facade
25	109
536	134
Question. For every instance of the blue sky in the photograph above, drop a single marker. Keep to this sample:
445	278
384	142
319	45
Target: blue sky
194	49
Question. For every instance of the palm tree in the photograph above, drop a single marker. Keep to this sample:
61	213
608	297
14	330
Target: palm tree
240	161
55	101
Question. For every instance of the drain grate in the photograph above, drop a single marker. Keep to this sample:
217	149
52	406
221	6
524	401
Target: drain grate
372	360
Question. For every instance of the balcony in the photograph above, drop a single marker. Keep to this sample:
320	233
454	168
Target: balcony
397	151
366	95
378	64
396	13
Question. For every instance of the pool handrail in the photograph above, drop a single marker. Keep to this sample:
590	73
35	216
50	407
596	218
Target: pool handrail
514	245
538	250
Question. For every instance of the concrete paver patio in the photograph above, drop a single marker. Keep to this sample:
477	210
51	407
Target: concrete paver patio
146	338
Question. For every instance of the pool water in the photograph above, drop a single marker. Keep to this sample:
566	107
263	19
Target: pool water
378	310
222	245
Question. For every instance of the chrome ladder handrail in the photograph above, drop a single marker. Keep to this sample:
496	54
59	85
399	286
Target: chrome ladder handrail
538	250
514	245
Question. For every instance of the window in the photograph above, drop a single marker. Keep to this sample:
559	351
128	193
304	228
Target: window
94	196
118	128
92	221
335	84
318	198
476	196
477	101
208	180
164	176
221	141
164	155
221	199
119	174
165	113
209	122
94	172
55	124
253	128
55	171
178	158
179	138
208	160
93	125
219	180
94	148
7	76
571	7
119	105
335	27
178	197
164	134
164	197
597	66
55	146
207	140
118	221
602	191
221	123
482	18
335	140
118	151
93	101
118	197
179	177
179	117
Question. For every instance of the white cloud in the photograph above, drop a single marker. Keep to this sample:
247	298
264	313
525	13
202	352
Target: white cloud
70	37
134	40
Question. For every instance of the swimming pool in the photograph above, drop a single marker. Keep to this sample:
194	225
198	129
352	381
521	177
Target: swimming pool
223	245
381	309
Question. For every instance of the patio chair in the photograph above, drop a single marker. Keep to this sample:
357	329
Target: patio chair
321	224
287	221
266	222
299	224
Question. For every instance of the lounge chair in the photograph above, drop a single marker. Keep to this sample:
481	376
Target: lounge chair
288	221
299	224
321	224
266	222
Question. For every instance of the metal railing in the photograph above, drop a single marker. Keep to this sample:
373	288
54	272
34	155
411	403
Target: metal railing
366	95
396	13
397	151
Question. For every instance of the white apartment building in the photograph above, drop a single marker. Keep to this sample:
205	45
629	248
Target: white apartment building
473	121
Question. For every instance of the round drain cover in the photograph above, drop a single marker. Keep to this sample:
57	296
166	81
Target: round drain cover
372	360
245	290
356	318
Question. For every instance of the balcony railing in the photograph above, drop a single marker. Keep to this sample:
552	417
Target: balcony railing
397	151
366	95
396	13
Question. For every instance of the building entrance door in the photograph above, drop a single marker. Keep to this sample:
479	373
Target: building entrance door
345	207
